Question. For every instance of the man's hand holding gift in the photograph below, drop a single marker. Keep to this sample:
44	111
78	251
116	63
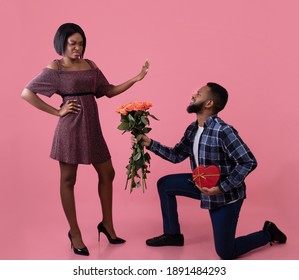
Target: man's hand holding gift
206	179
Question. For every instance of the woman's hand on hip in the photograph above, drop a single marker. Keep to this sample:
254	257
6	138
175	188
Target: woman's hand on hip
70	106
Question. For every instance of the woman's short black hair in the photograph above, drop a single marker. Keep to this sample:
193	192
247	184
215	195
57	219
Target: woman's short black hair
220	96
63	33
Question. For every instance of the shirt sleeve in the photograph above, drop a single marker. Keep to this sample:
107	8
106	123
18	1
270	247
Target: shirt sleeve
239	152
176	154
45	83
102	84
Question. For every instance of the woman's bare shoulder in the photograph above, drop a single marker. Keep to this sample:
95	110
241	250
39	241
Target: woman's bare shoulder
53	65
92	62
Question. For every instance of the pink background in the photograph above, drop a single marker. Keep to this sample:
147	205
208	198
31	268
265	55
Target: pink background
250	47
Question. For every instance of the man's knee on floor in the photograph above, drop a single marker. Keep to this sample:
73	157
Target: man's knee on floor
225	254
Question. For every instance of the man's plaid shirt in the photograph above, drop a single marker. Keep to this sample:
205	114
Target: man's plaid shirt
219	145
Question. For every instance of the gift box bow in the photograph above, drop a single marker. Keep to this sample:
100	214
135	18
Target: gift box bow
206	176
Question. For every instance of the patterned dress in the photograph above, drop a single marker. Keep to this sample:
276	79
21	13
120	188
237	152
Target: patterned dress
78	138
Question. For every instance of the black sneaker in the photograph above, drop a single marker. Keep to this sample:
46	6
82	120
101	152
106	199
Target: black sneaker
166	240
275	233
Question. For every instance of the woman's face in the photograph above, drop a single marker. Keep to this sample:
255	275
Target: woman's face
74	46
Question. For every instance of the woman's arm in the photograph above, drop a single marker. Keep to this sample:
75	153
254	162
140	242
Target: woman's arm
70	106
126	85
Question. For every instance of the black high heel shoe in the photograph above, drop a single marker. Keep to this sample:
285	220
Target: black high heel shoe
111	240
83	251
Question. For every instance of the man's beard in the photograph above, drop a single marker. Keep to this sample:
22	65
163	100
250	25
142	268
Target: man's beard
195	107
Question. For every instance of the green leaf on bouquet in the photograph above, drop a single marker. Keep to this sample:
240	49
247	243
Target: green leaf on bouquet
124	126
131	119
153	117
138	137
147	157
144	120
139	164
137	156
146	130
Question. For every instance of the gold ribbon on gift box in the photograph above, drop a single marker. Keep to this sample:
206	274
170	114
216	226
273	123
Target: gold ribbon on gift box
200	174
203	176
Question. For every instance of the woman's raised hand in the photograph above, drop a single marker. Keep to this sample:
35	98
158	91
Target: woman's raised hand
143	71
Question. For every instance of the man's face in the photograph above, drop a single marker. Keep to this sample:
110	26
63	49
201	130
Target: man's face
198	100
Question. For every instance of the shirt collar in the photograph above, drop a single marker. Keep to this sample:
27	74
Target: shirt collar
208	121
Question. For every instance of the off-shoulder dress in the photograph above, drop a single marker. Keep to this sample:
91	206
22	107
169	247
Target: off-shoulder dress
78	138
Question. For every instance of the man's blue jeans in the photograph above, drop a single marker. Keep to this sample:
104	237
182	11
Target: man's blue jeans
224	219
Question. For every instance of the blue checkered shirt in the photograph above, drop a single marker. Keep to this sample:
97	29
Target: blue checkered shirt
219	145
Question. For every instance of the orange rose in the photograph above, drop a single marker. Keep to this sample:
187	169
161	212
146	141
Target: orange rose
118	109
122	110
129	107
147	105
138	106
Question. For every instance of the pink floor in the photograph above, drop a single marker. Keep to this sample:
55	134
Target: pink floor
33	227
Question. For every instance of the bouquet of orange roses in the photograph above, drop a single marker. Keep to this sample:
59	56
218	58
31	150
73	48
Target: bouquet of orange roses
134	118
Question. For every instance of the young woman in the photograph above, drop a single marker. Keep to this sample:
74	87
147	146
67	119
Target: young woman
78	137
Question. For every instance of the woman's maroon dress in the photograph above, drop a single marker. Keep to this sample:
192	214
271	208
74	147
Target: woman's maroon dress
78	138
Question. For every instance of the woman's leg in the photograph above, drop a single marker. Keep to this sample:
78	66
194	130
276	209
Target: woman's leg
106	175
68	174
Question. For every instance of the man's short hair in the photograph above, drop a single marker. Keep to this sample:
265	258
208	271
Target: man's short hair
63	33
219	96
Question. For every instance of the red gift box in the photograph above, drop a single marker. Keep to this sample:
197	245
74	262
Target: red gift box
206	176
